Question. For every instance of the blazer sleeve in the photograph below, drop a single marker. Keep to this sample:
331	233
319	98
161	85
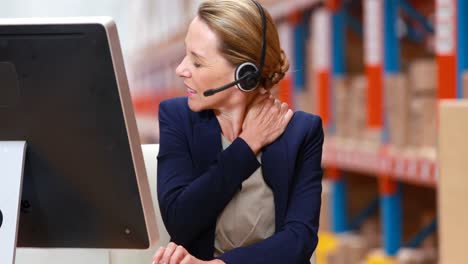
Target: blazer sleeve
297	238
189	203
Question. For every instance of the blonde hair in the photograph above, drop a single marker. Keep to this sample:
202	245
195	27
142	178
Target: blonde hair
238	26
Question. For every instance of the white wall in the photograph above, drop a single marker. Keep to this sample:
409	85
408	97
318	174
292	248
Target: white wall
139	21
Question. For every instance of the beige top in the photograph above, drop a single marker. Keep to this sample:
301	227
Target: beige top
250	215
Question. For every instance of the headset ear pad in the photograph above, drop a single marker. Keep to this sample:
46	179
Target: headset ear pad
250	82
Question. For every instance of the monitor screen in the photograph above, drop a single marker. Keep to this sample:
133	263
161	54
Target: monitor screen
64	91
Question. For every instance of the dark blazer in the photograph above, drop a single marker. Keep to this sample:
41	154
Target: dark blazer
197	179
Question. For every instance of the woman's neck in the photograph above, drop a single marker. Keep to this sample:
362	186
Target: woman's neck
231	116
231	121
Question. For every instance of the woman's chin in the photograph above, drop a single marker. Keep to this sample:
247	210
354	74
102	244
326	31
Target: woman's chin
195	106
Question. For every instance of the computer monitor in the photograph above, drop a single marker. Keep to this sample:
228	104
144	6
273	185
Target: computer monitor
63	90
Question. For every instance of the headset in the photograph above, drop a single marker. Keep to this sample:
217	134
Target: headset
247	74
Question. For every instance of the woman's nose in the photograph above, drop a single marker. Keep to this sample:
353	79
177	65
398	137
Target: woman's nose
182	70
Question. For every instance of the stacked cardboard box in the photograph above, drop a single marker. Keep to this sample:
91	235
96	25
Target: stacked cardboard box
422	112
351	249
342	99
325	219
404	256
311	95
371	232
397	108
357	107
423	122
453	181
304	101
416	256
422	74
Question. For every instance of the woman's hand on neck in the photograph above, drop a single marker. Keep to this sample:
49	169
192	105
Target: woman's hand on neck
231	116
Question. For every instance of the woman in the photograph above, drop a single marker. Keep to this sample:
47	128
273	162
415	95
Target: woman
239	174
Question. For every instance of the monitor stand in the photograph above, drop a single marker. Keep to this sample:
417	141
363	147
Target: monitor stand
12	155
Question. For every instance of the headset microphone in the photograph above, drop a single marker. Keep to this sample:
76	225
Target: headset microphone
226	86
247	74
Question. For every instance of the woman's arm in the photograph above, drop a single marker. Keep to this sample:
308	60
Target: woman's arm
298	238
191	203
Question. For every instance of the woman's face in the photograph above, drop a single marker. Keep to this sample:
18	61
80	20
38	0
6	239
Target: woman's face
204	68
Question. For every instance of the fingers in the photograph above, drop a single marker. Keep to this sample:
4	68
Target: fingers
171	247
158	255
273	111
277	103
283	108
174	254
265	121
281	114
275	108
187	260
287	117
179	254
267	105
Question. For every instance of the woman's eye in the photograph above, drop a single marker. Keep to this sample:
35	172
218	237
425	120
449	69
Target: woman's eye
197	65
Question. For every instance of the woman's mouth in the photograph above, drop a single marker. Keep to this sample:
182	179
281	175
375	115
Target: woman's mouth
190	91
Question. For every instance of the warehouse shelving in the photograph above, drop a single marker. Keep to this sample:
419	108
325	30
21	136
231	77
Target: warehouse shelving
376	156
380	162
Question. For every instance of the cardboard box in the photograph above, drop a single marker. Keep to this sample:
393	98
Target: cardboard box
453	181
422	122
357	107
342	97
416	256
371	232
352	249
325	220
422	75
311	79
372	137
397	108
304	101
356	248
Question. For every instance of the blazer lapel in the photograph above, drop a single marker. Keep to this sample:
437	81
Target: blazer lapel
206	139
276	171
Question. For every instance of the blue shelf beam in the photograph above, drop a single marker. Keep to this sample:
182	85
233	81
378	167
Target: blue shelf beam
414	14
370	210
390	200
391	214
339	41
419	238
300	41
339	217
339	211
391	41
